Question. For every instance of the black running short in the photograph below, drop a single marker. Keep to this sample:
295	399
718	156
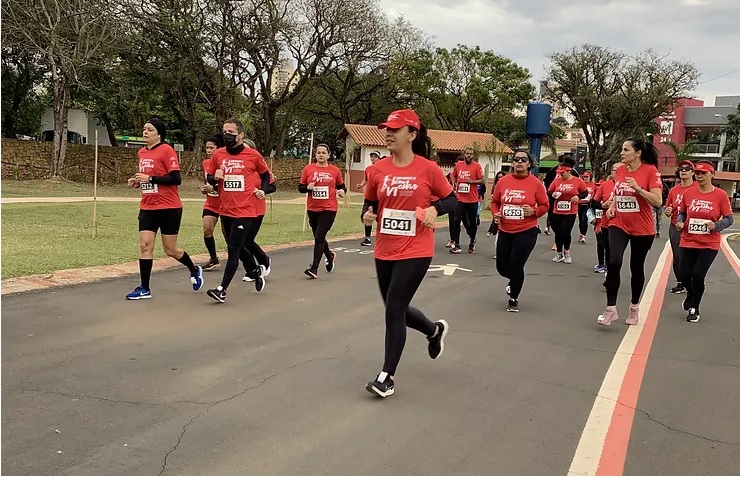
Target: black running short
165	220
209	213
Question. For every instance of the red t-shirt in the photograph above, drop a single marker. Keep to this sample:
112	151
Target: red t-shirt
675	198
324	193
634	214
603	194
261	204
510	194
700	207
368	171
213	202
158	161
241	176
591	187
462	174
565	191
399	191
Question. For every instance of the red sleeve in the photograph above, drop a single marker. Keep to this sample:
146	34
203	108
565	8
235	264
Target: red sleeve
338	177
496	199
682	206
655	182
479	172
724	207
260	164
552	186
371	188
543	202
670	198
212	164
582	186
599	193
453	174
440	187
304	176
170	162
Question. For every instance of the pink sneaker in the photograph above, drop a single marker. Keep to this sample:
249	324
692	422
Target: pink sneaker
634	316
610	315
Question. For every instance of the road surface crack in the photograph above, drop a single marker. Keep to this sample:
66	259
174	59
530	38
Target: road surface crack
681	431
240	393
106	399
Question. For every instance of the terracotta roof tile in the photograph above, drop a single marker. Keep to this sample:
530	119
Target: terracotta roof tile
454	141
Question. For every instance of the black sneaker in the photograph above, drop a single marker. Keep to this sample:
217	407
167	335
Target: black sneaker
437	342
312	273
260	283
330	263
471	248
383	388
366	242
693	316
212	264
678	289
685	304
513	306
216	294
455	249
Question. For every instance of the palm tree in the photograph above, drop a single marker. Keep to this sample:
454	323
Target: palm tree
683	153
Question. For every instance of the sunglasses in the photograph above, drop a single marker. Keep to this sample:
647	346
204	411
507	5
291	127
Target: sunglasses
520	159
685	169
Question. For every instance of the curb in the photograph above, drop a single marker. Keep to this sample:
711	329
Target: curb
80	276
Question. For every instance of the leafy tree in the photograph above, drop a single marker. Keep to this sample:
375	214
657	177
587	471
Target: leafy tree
22	103
613	96
731	130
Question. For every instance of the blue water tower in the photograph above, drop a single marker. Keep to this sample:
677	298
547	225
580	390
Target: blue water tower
538	126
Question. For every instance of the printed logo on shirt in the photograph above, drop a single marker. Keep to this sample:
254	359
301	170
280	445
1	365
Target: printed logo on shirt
173	163
231	165
511	195
698	205
565	187
322	177
621	188
401	186
146	165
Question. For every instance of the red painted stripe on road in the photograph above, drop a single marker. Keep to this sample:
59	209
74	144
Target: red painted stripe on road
614	454
731	257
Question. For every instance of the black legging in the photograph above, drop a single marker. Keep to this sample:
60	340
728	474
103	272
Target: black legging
674	236
562	225
467	214
251	245
602	246
582	219
398	281
236	231
512	252
321	223
695	263
368	231
618	240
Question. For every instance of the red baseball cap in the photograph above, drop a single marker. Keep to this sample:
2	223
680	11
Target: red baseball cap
401	118
561	168
587	174
703	167
686	162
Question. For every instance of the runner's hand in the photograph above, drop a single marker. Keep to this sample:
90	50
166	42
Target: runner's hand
668	211
679	226
206	188
610	212
259	193
574	199
369	217
430	217
630	181
133	183
141	177
528	210
310	185
497	217
710	224
556	195
606	205
360	186
219	175
340	193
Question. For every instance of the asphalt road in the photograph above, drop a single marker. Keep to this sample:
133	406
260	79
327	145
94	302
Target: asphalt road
273	383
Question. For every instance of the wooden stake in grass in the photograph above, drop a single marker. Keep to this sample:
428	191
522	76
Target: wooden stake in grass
95	189
305	210
271	163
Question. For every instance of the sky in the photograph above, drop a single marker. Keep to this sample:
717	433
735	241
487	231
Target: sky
706	32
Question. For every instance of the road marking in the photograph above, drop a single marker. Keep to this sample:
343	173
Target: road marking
602	449
448	269
730	253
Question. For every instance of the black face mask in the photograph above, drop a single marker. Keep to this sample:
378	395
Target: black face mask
230	139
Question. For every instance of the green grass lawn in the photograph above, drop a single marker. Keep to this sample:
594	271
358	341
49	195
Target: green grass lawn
47	188
42	238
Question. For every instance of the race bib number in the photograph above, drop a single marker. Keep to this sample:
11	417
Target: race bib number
398	222
512	212
598	213
463	188
698	227
563	206
233	183
627	204
320	192
147	188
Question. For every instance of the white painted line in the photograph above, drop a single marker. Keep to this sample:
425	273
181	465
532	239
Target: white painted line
591	445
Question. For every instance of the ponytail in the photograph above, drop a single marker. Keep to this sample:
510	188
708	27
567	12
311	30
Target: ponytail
422	144
648	152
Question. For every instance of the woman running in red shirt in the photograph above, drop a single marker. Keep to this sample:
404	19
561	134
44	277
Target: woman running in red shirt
703	213
212	206
160	208
323	183
685	173
398	196
583	206
565	191
600	202
518	200
637	188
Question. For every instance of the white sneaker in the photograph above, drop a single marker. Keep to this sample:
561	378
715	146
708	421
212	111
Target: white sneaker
558	257
567	258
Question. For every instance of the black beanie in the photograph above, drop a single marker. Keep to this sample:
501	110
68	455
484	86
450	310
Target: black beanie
159	126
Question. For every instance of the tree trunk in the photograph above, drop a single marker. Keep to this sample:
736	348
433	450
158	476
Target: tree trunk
109	129
61	116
